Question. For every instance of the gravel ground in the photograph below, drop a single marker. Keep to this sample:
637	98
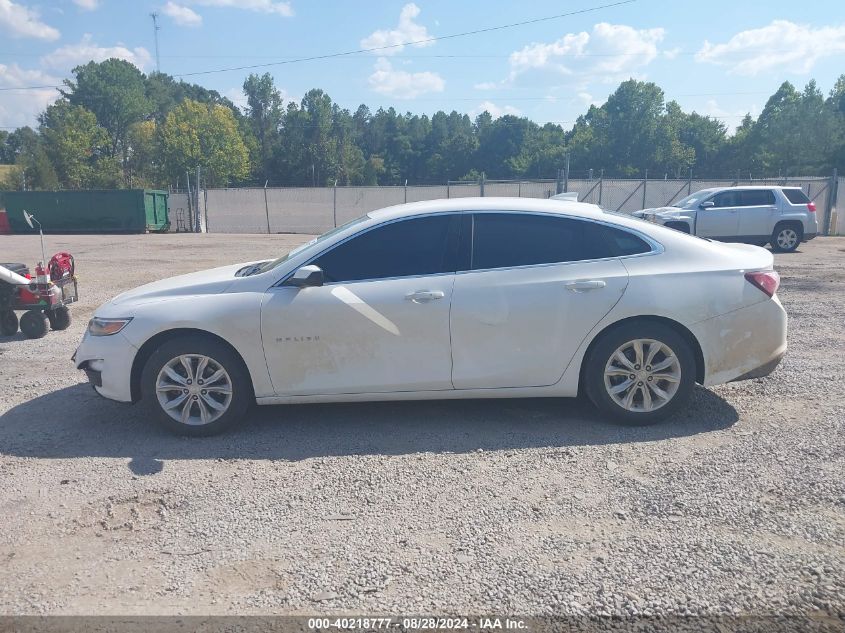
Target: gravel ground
531	507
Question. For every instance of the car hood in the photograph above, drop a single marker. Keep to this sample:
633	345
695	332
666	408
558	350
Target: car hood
663	212
204	282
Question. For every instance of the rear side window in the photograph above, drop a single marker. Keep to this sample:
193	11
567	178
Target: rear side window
757	198
419	246
796	196
506	240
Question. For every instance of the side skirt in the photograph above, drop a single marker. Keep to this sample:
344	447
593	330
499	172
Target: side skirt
554	391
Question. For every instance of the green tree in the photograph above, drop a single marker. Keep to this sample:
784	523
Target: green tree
114	90
75	145
264	114
196	134
33	169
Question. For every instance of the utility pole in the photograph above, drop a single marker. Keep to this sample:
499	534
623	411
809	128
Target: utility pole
156	29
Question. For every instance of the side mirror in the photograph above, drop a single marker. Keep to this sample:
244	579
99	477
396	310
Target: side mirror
306	276
707	204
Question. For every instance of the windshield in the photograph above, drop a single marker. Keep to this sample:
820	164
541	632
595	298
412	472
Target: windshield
692	200
322	238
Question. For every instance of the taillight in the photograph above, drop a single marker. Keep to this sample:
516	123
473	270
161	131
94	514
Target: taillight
811	206
768	281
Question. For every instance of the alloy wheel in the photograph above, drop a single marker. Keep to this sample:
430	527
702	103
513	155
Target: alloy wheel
787	239
642	375
194	389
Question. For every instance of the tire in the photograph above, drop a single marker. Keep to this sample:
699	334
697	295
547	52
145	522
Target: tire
786	238
59	318
34	324
203	415
603	372
8	323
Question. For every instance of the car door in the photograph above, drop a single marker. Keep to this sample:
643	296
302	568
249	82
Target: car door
380	321
535	285
757	214
722	219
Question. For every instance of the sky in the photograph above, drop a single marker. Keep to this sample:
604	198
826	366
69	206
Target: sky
722	58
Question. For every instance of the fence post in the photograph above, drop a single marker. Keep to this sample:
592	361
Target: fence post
831	201
566	174
559	182
601	185
481	184
645	185
334	203
448	190
689	183
406	190
267	206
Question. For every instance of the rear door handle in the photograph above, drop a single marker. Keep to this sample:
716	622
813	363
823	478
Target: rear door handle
424	296
584	286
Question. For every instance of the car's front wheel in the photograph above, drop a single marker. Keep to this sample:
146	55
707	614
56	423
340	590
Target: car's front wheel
640	373
196	386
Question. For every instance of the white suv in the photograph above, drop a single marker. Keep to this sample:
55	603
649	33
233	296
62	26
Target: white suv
781	216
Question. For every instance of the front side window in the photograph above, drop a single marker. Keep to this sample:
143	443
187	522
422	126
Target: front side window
418	246
727	199
507	240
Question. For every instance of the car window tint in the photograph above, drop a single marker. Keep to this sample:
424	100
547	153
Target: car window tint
726	199
796	196
419	246
504	240
620	242
757	198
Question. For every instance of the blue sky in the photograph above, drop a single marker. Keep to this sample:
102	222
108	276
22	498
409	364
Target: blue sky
723	57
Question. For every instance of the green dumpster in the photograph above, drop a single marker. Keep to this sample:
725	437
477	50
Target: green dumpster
90	211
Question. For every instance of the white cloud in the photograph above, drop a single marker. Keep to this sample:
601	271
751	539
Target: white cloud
402	84
88	5
262	6
610	51
23	108
494	110
406	31
486	85
781	45
182	15
70	55
21	21
672	53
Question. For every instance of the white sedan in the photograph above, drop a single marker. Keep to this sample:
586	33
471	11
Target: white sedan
465	298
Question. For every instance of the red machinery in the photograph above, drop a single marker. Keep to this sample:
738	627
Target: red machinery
44	299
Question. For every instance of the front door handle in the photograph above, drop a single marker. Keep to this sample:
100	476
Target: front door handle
584	286
424	296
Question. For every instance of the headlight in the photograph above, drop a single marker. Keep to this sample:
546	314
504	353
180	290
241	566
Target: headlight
106	327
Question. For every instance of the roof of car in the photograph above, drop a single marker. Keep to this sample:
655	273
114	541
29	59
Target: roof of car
564	207
745	187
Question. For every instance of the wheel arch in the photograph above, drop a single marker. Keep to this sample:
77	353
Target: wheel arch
682	330
154	342
794	222
679	225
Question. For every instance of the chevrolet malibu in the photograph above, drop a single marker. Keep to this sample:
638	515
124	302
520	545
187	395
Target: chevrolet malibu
466	298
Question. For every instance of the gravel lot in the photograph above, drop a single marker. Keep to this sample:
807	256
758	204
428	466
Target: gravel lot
527	507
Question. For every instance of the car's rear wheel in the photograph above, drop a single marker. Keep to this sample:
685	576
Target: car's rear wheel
640	373
786	238
196	386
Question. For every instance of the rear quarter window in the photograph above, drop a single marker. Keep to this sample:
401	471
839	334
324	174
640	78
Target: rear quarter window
796	196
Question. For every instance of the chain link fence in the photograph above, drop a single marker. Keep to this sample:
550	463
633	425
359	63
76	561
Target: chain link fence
315	210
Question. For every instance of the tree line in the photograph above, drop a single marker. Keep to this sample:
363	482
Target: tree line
114	127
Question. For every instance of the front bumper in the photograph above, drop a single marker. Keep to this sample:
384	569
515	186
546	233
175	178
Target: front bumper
112	358
746	343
